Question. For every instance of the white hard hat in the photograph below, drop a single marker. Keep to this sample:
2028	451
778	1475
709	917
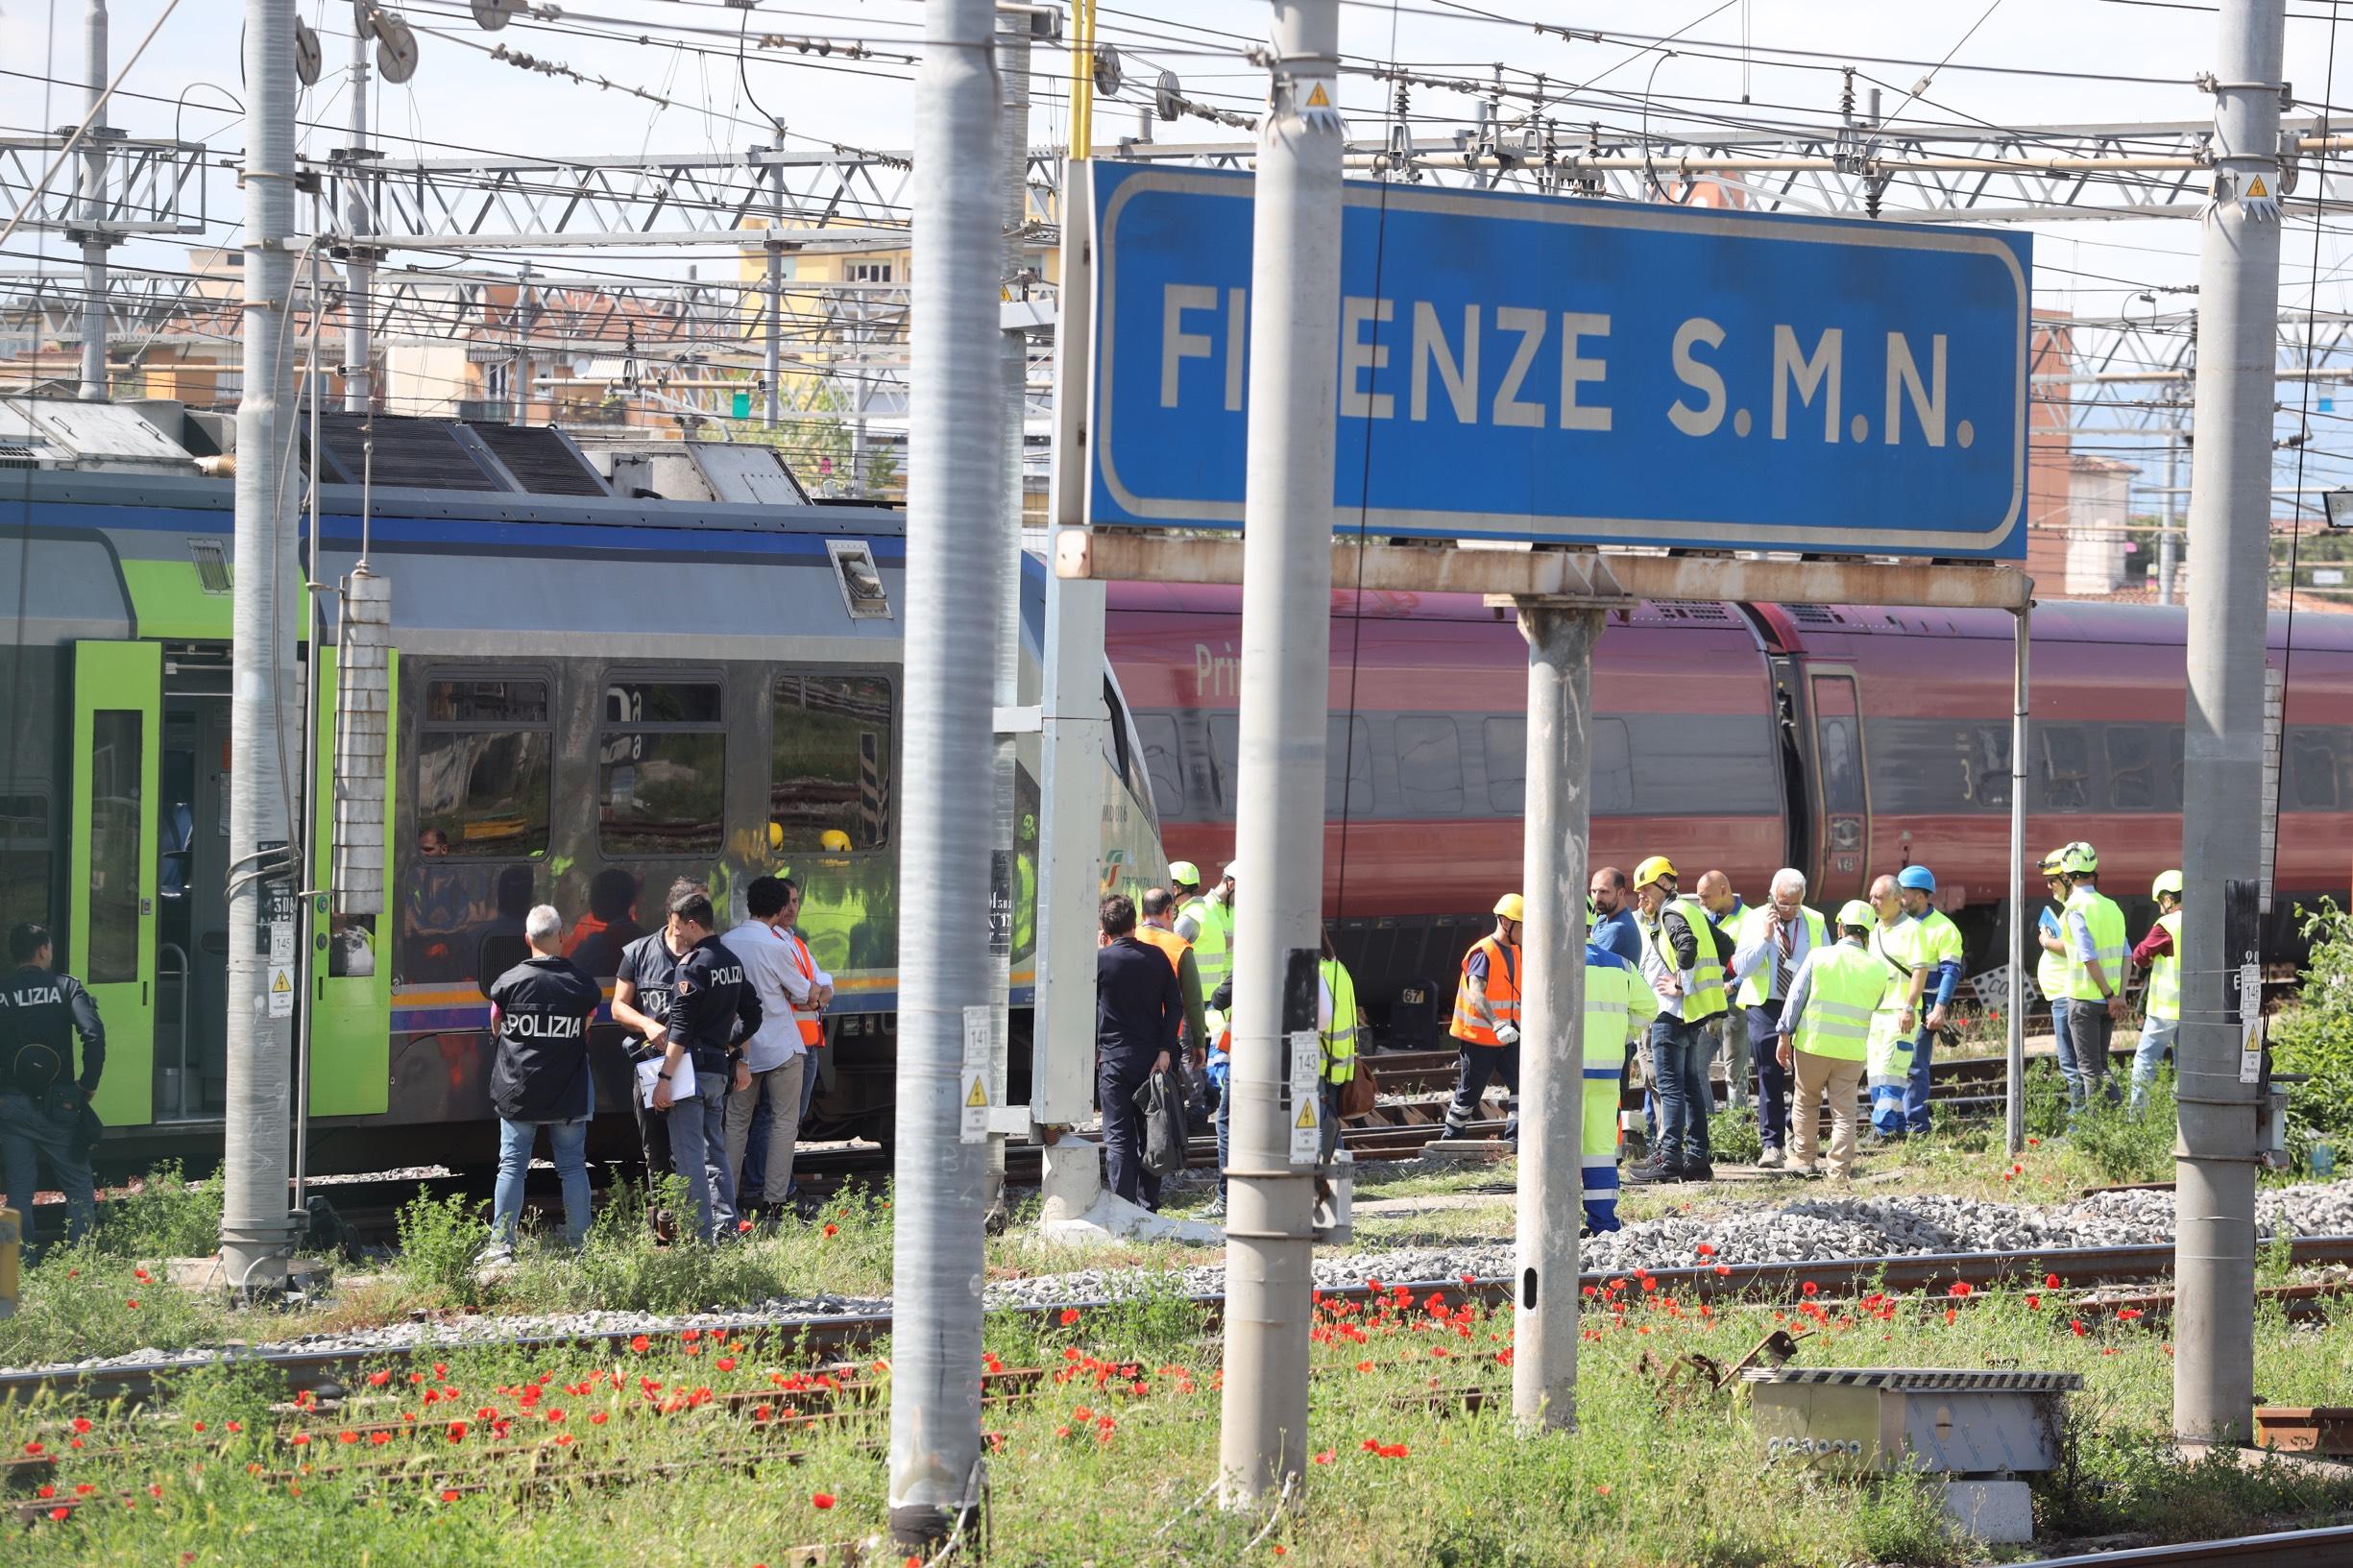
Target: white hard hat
1233	869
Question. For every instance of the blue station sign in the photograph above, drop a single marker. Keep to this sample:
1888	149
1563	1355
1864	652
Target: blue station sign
1537	368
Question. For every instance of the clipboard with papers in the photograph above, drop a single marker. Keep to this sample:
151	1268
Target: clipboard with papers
649	1074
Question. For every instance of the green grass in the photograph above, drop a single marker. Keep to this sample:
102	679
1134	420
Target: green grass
1635	1485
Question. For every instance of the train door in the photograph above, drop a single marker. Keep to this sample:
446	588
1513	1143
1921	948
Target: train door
1842	805
111	871
192	914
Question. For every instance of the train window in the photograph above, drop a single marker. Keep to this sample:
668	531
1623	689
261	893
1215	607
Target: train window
2067	767
661	767
1162	762
116	742
483	768
1348	766
1226	758
1506	741
1612	769
1429	764
1985	766
2314	769
2173	740
2131	768
1838	744
830	763
25	841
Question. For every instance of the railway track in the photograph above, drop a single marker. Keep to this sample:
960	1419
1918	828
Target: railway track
326	1372
2297	1547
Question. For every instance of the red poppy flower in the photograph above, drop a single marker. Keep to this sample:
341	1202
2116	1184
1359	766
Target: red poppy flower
2050	1282
727	1363
449	1494
1705	1250
82	1491
1324	1458
822	1500
1809	1288
60	1513
599	1418
133	1304
1960	1288
2034	1303
2076	1323
1070	1316
1364	1366
1723	1268
379	1438
300	1439
2128	1314
832	1230
641	1344
441	1370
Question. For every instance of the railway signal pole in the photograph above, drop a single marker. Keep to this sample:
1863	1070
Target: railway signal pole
2229	560
264	705
1278	824
956	506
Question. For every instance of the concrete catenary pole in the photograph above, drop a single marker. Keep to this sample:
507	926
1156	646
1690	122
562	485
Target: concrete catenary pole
1278	825
2014	1090
955	504
1552	1084
264	705
1014	28
2229	561
359	267
93	208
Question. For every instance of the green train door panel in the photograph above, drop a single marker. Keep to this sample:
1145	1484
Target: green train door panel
111	882
351	959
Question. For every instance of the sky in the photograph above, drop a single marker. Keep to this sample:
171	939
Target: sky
1997	63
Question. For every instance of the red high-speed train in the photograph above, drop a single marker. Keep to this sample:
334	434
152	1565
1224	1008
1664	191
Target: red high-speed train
1841	739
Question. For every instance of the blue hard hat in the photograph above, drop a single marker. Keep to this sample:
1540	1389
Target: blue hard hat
1917	877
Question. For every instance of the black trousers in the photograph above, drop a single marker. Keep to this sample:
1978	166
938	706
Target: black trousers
1116	1081
1474	1067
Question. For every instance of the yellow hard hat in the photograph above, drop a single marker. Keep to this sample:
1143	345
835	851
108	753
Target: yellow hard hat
2081	859
1652	869
1184	874
1856	913
2054	863
1510	907
776	835
2168	882
834	838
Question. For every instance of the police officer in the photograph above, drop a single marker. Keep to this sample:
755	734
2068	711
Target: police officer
41	1103
1937	942
1485	1025
2160	953
540	1010
1619	1006
712	1010
640	1002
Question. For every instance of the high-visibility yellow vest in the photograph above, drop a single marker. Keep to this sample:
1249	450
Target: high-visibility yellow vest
2051	969
2107	927
1339	1040
1618	1003
1704	998
2165	972
1842	992
1754	990
1502	992
1212	938
1889	1052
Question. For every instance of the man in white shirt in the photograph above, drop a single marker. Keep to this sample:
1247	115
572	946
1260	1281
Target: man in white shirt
793	992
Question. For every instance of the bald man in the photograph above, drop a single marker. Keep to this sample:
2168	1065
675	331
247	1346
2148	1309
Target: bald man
1725	911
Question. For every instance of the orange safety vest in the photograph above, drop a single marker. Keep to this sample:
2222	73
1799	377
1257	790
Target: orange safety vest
1170	945
1502	993
811	1026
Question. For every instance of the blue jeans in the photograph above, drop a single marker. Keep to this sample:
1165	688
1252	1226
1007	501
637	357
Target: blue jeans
568	1143
698	1144
29	1139
2068	1073
1222	1078
2156	1040
1916	1091
1679	1054
1772	1082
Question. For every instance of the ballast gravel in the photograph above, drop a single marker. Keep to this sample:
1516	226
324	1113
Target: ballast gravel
1805	1228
